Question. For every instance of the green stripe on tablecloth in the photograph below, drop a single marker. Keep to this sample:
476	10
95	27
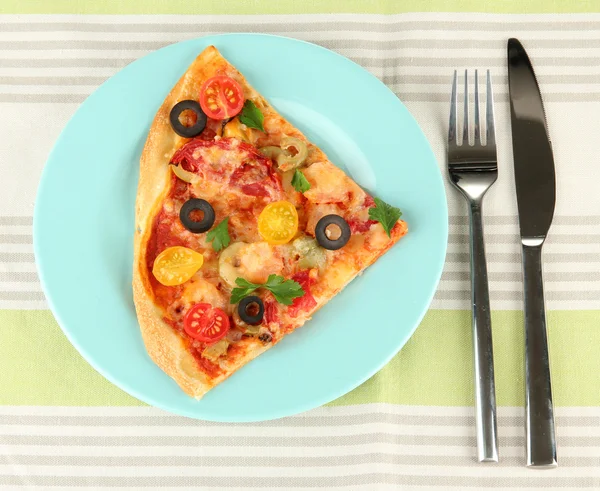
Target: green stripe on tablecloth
291	6
38	366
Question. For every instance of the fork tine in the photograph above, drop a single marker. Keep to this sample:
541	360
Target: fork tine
465	140
453	121
477	136
490	131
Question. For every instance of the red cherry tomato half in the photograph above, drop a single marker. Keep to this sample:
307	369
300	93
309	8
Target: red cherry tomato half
205	323
221	97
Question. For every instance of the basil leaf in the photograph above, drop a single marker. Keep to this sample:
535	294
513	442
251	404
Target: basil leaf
219	236
274	280
246	284
237	294
286	292
300	182
251	116
246	288
385	214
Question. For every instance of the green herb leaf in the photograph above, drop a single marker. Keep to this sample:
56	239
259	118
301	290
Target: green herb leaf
300	182
251	116
385	214
246	284
246	288
283	290
219	236
237	294
274	280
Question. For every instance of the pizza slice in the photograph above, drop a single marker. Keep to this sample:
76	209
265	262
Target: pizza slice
244	228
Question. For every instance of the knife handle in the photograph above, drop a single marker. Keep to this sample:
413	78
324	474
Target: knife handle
539	412
485	392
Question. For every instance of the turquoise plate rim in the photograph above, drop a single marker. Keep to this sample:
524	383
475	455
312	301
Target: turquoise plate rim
45	245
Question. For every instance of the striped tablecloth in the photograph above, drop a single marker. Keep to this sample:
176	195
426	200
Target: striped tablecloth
63	426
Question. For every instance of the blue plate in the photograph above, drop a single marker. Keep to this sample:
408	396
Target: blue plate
84	221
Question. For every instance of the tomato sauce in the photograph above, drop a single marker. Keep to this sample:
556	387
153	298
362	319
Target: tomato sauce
211	369
358	226
306	301
178	326
235	351
271	312
160	239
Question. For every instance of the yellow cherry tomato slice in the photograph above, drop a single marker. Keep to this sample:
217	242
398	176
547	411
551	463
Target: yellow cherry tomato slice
176	265
278	222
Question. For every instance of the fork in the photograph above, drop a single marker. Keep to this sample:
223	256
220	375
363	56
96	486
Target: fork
472	170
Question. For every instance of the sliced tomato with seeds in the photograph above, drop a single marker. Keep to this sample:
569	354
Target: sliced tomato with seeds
205	323
278	222
221	97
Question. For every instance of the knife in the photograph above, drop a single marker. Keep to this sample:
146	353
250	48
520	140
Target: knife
536	195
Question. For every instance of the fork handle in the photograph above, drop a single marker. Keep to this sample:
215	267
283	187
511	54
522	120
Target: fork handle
541	440
485	392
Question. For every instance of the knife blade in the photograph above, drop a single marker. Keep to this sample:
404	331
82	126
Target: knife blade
536	196
534	161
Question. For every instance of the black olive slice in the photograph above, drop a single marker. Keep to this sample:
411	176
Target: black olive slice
181	129
251	310
196	204
337	222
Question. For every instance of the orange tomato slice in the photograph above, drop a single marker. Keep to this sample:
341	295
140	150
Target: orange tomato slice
176	265
278	222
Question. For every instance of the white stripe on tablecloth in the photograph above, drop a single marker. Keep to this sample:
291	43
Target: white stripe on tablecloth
412	445
298	470
54	62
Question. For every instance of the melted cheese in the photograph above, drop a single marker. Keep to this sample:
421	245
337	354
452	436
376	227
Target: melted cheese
209	190
377	238
253	262
258	261
316	212
337	275
328	184
236	129
199	290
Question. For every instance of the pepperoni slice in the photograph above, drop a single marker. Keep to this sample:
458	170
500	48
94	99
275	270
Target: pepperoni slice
231	162
256	178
